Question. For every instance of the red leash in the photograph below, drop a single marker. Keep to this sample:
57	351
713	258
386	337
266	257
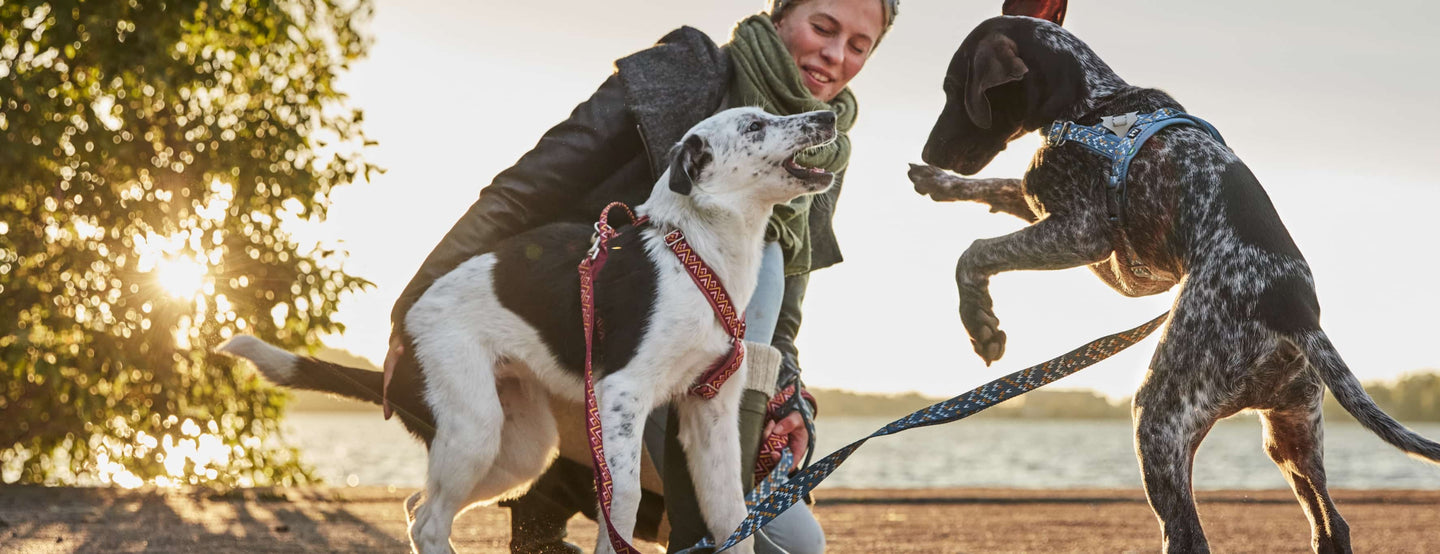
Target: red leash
706	387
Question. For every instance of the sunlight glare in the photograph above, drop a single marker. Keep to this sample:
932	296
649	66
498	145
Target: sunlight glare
181	278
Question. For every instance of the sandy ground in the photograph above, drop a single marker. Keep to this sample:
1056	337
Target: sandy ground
34	519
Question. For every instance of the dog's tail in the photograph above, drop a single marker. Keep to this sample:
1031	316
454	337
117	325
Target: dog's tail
308	373
1354	399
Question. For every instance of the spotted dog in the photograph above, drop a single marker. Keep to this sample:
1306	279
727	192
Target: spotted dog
501	332
1244	332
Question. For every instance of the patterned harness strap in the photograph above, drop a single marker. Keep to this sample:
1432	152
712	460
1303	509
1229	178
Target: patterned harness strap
777	494
707	386
1120	138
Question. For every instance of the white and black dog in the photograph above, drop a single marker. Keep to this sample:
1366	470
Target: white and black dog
495	337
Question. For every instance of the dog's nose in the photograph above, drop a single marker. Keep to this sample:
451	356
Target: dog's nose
823	118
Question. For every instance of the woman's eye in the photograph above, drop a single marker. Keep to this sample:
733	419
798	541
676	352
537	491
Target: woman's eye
754	127
822	30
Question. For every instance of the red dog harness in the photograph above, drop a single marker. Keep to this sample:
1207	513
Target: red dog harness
709	383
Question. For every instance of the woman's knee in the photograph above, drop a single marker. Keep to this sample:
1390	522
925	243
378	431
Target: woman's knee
795	531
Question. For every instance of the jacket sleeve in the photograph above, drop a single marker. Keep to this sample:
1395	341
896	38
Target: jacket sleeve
570	159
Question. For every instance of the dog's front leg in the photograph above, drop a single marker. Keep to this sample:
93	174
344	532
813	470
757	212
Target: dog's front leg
623	400
1002	195
710	433
1056	242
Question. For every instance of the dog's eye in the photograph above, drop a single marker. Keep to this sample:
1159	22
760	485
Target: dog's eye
754	127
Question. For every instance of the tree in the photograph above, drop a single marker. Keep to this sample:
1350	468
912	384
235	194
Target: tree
149	154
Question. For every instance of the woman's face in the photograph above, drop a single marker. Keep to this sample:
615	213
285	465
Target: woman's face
830	41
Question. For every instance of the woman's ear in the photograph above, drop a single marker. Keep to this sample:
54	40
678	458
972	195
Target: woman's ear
1049	10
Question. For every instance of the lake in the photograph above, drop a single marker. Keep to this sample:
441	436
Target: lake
353	448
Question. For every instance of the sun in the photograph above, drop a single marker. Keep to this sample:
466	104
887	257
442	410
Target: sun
181	278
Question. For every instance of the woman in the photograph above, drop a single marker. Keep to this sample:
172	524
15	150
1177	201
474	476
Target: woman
798	56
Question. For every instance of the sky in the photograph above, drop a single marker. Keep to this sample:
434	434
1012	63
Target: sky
1333	105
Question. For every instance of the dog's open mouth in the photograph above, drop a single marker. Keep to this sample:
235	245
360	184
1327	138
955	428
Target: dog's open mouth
812	175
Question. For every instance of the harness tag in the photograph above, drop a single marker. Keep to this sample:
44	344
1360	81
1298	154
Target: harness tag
1119	124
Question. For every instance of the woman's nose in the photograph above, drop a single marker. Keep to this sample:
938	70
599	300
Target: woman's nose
833	52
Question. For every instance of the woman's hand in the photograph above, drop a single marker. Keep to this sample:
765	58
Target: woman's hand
792	426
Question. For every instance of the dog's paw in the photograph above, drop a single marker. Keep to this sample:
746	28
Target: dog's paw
933	182
984	329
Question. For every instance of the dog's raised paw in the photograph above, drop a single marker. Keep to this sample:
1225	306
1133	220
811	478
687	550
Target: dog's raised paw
990	349
984	330
938	184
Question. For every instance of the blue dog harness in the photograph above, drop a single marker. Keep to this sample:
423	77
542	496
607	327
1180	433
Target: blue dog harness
1120	138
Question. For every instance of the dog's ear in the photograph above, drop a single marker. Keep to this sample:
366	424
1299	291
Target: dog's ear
687	160
996	62
1049	10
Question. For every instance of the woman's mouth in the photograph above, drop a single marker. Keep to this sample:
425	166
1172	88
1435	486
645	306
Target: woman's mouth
818	77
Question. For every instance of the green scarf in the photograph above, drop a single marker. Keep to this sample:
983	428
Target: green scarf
766	77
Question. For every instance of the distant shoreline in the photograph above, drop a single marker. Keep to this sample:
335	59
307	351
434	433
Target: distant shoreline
1409	399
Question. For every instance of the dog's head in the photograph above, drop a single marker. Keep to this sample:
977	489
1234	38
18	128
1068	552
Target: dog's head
747	155
1009	77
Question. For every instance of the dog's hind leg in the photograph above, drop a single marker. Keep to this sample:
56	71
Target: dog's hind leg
527	443
1171	418
469	419
623	399
1294	440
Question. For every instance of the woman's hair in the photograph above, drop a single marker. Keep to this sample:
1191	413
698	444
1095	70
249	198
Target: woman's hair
778	9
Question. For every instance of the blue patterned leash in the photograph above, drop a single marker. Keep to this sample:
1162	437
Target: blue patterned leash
776	494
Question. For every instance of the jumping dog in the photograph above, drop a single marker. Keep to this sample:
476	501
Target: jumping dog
1244	332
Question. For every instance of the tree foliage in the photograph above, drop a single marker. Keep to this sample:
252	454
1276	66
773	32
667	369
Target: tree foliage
150	153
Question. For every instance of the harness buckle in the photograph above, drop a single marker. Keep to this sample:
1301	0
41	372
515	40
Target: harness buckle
674	237
1058	138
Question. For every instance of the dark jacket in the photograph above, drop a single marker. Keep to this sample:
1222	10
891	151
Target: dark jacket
613	147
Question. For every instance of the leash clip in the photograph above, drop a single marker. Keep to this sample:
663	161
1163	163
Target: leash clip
595	241
594	247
